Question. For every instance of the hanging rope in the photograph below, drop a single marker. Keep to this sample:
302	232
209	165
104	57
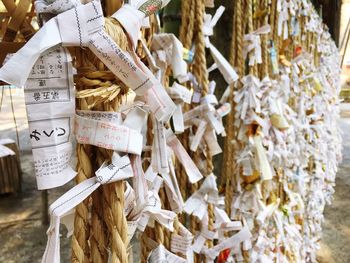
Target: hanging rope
112	215
230	140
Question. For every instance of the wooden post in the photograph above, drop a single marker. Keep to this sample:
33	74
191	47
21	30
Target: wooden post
44	207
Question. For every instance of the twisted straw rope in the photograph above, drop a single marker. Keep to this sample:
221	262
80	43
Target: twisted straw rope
113	202
274	22
230	177
249	3
148	233
201	73
264	69
114	217
143	237
167	233
80	249
159	230
98	238
186	37
228	151
187	22
200	63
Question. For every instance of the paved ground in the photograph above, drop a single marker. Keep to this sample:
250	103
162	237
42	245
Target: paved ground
336	236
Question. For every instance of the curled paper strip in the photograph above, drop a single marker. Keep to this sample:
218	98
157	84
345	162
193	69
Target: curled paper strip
159	149
204	235
223	222
172	187
140	186
119	169
223	65
283	17
192	171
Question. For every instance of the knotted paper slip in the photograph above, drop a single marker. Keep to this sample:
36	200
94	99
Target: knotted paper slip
119	169
83	26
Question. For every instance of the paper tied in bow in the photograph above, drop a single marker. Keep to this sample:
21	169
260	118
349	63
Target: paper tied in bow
119	169
180	95
83	26
153	210
173	55
131	16
197	204
253	45
221	63
71	28
248	97
208	121
285	9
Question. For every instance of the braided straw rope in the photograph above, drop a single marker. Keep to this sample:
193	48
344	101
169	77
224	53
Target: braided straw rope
199	69
80	245
113	194
211	215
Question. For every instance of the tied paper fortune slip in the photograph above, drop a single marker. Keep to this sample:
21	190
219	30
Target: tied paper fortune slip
131	15
119	169
50	104
83	26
